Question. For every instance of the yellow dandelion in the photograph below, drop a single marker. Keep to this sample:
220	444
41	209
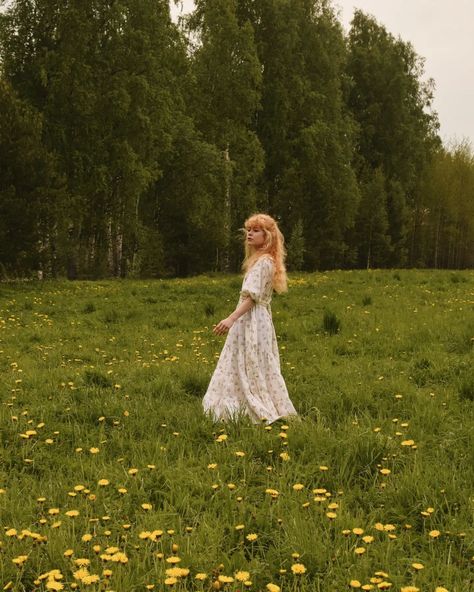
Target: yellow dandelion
82	562
240	453
331	515
385	471
68	553
284	456
80	573
441	589
11	532
177	572
72	513
359	550
54	585
225	579
200	576
358	531
90	579
298	486
20	560
368	539
418	566
103	482
240	527
242	576
273	588
174	559
252	537
409	589
86	538
298	568
147	506
434	534
93	450
171	581
355	584
132	472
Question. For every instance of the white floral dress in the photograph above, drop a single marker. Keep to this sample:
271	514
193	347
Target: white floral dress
247	378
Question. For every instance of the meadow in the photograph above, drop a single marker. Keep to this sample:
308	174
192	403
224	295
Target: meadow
112	478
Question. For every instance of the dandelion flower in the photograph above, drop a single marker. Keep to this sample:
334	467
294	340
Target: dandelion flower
298	486
409	589
358	531
94	450
359	550
434	534
298	568
103	482
147	506
171	581
225	579
417	566
242	576
200	576
355	584
273	588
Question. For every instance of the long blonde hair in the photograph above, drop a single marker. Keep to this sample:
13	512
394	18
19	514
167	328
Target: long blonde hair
274	246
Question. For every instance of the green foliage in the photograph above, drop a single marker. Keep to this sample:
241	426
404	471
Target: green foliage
132	146
331	323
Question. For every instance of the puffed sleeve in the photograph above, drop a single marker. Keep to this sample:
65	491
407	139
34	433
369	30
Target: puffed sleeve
257	280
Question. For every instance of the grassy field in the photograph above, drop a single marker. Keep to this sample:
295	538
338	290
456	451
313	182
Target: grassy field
111	475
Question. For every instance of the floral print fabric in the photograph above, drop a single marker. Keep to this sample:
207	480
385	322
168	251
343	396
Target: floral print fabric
247	378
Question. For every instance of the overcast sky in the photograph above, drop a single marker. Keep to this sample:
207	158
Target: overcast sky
442	33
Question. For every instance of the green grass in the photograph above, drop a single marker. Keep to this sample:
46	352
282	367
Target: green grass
122	366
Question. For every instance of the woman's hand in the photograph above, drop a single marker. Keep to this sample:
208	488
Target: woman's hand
223	326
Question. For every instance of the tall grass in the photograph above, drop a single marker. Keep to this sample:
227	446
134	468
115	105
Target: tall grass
101	386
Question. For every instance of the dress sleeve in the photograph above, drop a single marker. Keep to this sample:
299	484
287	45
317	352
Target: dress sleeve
257	279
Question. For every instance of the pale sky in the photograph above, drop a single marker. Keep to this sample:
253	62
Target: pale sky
442	32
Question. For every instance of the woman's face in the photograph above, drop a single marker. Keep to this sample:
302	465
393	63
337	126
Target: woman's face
255	236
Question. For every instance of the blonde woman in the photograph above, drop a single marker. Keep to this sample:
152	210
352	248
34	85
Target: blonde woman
247	379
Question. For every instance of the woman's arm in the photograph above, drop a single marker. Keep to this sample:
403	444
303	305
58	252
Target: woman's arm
227	323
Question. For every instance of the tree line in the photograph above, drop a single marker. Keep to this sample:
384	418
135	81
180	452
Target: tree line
133	146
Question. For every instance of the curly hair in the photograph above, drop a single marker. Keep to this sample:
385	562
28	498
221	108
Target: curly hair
274	246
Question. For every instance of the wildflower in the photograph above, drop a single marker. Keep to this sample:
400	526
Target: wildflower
82	562
72	513
298	568
358	531
409	589
147	506
93	450
174	559
90	579
20	560
252	537
298	486
242	576
273	588
177	572
417	566
359	550
103	482
434	534
86	538
354	584
385	471
284	456
225	579
80	573
54	585
240	527
200	576
170	581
